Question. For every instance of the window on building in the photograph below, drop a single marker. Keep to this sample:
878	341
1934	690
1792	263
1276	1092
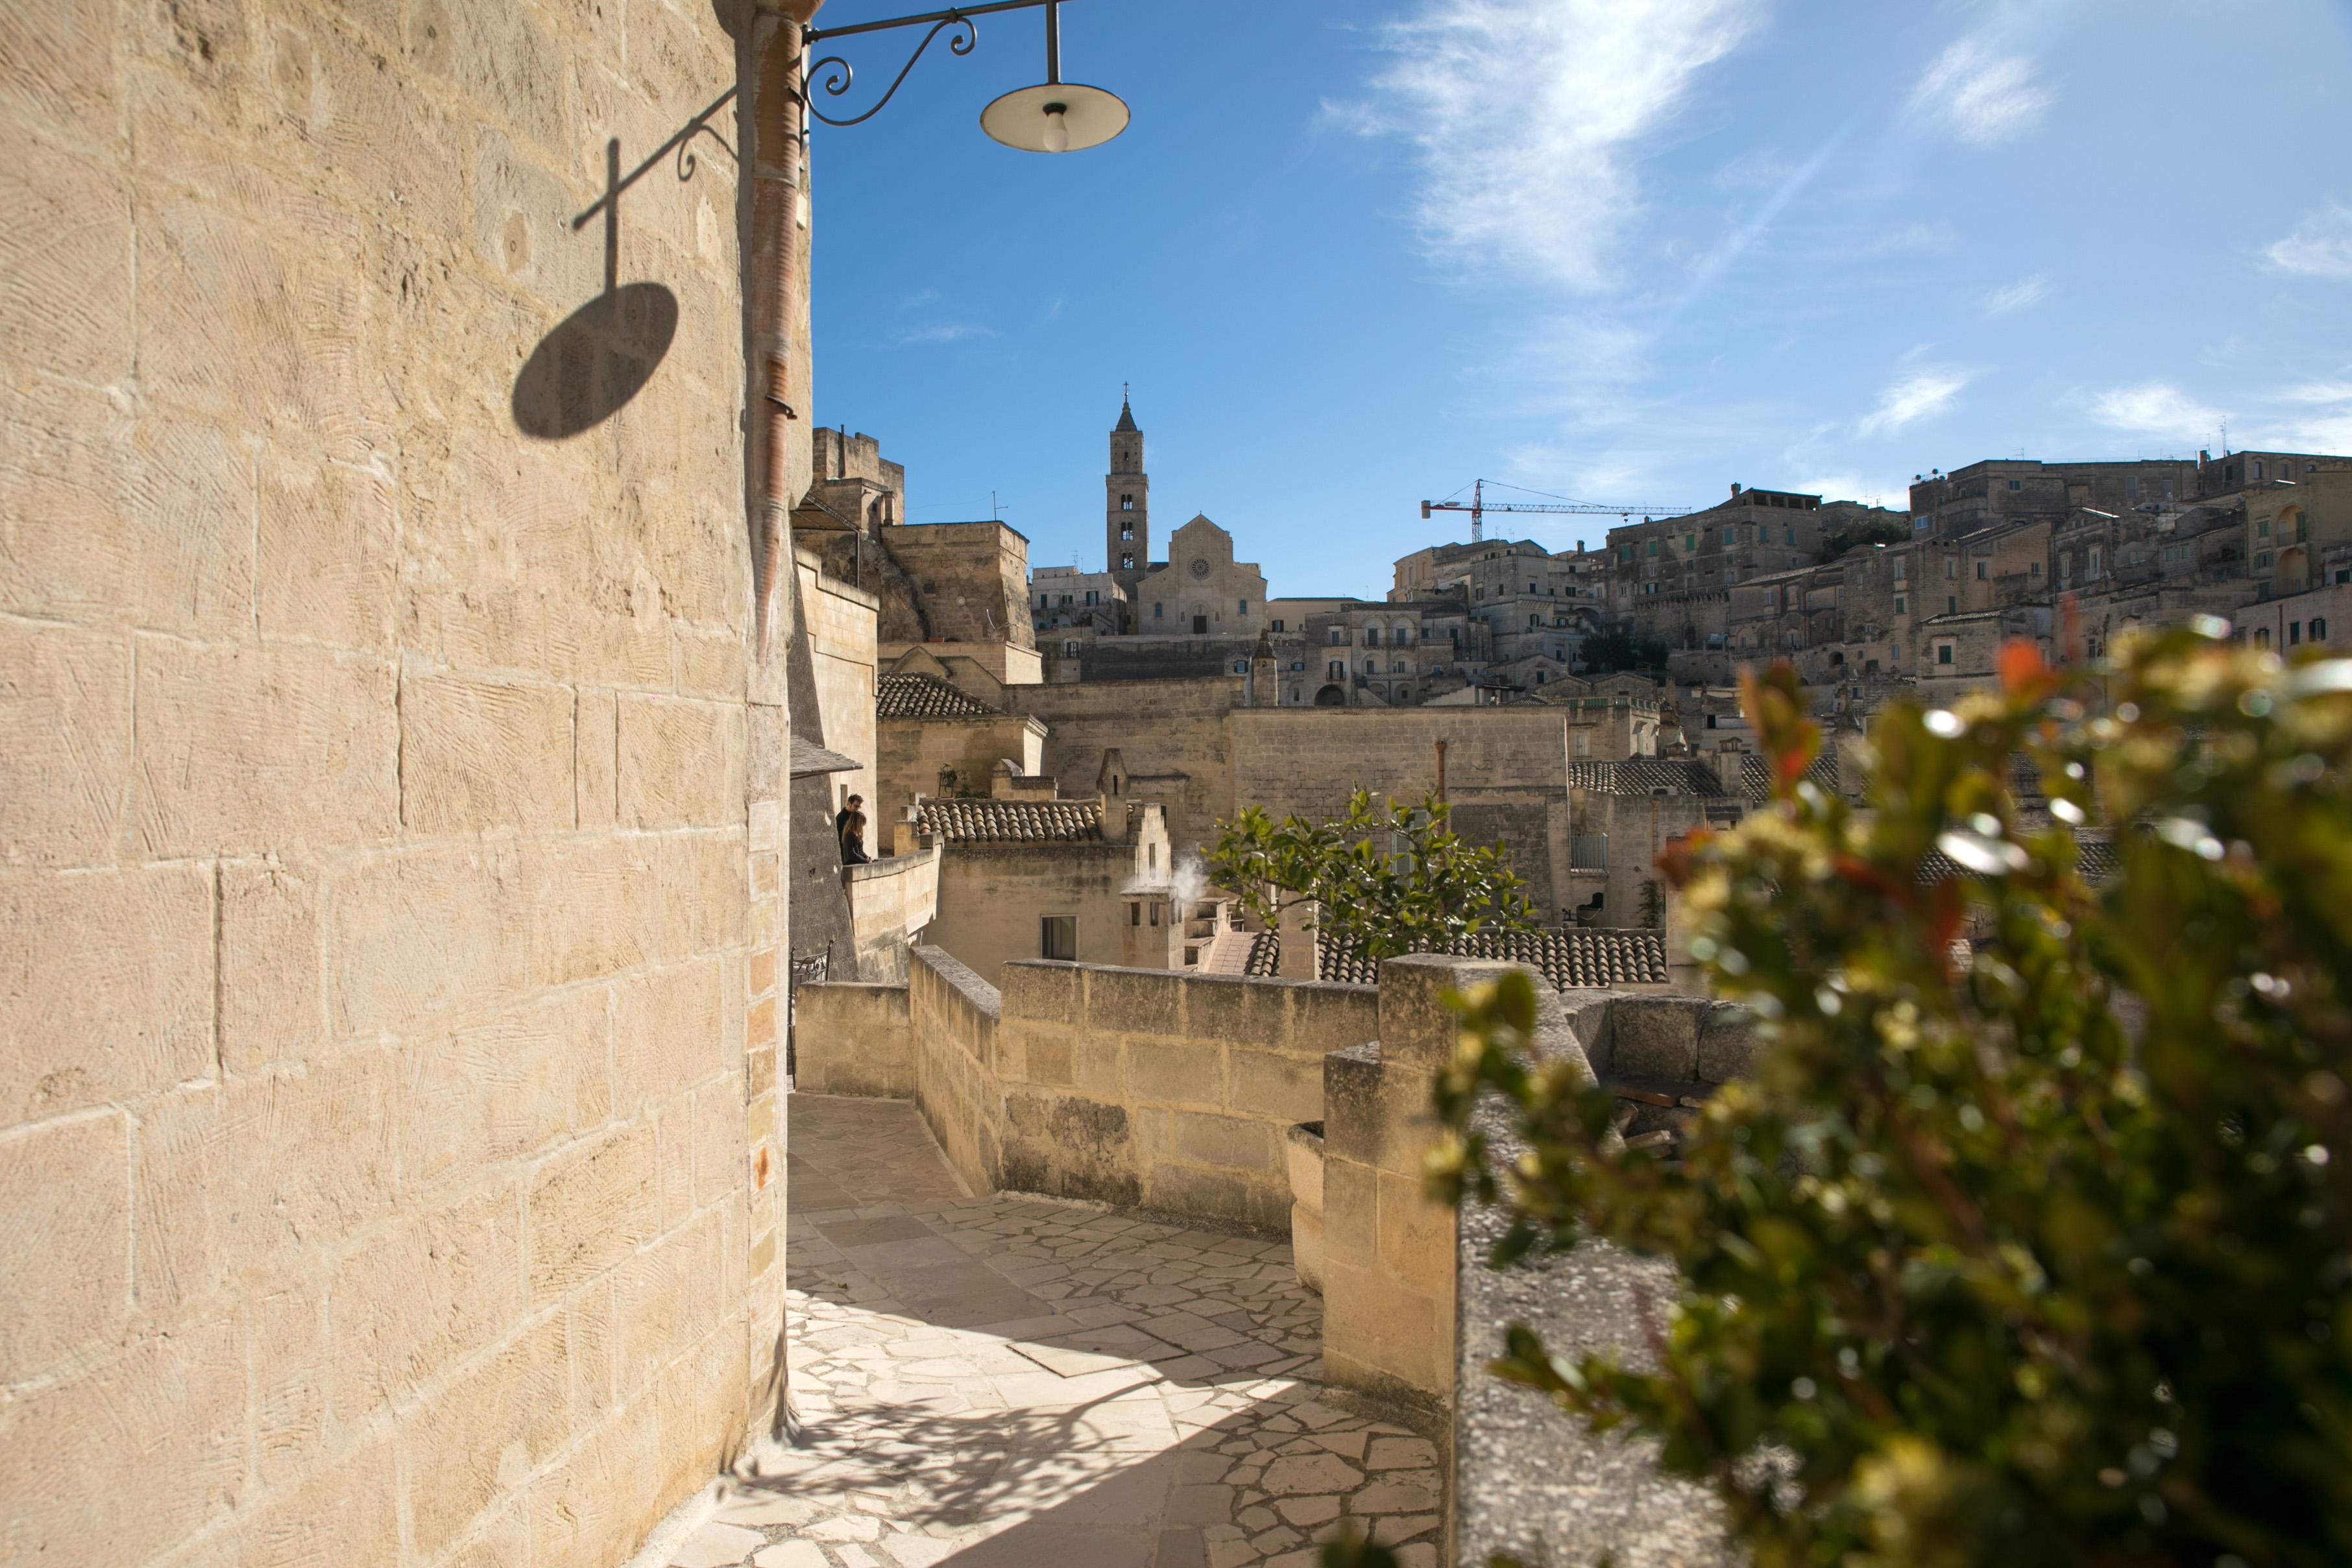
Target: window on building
1127	563
2033	569
1336	669
2258	473
1653	548
1951	604
2017	484
1155	912
1943	653
2262	636
1135	914
2098	557
1294	694
2262	529
2319	629
1090	596
1371	666
1624	552
2294	628
1127	503
1155	612
1057	937
1066	600
1980	571
1728	533
1372	636
1044	601
1901	608
1126	535
2263	561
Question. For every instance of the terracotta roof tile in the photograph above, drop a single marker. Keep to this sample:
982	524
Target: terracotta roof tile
1756	775
1012	822
925	697
1644	776
1581	957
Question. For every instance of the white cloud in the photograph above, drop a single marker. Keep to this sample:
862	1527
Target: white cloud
1890	493
945	332
2320	246
1525	114
1984	96
1920	395
2157	409
2025	291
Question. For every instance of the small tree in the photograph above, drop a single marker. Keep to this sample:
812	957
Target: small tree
1860	531
2036	1254
1382	882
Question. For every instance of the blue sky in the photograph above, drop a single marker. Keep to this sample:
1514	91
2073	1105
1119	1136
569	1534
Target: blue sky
1354	253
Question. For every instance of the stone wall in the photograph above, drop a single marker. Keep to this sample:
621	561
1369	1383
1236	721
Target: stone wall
890	900
851	1038
387	1012
841	634
971	580
1145	1088
1165	1091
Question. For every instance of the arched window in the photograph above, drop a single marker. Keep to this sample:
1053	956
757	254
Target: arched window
2262	636
1401	634
1372	636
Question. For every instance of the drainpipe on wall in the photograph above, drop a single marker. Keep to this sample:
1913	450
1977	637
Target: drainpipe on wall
1441	772
771	301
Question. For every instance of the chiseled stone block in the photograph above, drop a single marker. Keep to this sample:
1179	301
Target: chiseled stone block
427	934
476	755
1654	1036
65	708
423	1293
485	1430
590	1209
244	749
106	986
65	1277
238	1181
669	1034
168	1406
682	761
273	985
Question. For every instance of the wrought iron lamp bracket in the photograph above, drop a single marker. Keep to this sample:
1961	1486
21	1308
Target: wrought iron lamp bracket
836	81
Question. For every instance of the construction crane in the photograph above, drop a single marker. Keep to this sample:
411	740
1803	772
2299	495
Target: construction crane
1478	507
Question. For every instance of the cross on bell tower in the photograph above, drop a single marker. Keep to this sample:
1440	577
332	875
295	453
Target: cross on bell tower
1127	501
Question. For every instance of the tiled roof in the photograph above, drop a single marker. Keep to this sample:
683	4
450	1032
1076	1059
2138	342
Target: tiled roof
1265	955
925	697
1580	957
1012	822
1644	776
1756	775
2095	857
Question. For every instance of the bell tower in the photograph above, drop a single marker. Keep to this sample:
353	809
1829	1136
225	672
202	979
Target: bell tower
1127	502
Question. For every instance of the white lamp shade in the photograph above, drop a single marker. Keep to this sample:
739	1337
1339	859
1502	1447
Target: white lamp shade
1089	116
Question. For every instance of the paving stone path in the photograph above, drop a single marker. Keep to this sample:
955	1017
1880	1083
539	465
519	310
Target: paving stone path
1010	1381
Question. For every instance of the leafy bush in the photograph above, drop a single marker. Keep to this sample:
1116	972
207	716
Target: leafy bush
2031	1254
1380	882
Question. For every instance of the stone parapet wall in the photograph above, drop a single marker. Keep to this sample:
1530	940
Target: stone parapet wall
851	1038
1139	1087
891	900
1163	1089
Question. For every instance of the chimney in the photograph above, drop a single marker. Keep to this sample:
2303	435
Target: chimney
1114	817
1735	486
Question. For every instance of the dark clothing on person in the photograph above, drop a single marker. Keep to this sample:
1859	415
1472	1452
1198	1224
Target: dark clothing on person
852	828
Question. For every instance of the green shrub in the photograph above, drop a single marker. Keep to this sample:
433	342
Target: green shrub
2036	1254
1381	882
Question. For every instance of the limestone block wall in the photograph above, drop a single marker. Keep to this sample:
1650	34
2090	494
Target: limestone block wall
890	900
910	753
386	999
851	1038
1167	1091
841	619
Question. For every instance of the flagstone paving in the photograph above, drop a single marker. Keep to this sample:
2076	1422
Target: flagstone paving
1010	1380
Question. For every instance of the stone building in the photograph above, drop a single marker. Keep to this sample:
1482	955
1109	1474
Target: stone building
2003	491
392	795
1091	880
1670	578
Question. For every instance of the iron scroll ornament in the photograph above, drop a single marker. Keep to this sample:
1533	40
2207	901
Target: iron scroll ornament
836	82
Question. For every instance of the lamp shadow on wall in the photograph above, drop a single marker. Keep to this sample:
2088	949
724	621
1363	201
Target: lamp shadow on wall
595	361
